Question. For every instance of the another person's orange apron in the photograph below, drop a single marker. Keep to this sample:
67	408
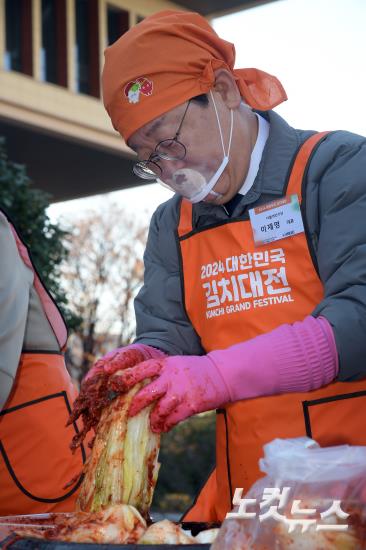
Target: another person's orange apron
234	291
35	459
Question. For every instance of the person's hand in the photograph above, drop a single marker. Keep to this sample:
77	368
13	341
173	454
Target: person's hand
272	363
123	358
183	386
98	385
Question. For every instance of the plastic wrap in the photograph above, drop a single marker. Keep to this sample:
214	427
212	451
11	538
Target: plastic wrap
311	498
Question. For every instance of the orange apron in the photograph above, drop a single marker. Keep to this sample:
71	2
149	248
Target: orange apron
35	460
234	291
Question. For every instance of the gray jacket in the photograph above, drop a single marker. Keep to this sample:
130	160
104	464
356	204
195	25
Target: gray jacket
23	323
336	225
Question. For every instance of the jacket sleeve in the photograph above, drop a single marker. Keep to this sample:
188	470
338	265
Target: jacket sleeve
340	243
15	283
160	315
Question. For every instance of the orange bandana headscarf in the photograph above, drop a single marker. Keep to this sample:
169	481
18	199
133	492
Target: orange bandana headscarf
167	59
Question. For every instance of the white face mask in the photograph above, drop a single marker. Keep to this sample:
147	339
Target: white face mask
192	184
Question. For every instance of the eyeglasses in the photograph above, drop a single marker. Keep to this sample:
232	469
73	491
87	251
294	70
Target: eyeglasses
168	149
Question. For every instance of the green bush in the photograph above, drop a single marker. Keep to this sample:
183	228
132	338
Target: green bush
26	207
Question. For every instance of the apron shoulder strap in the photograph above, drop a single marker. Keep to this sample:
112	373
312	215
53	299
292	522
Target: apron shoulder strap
185	218
301	162
297	183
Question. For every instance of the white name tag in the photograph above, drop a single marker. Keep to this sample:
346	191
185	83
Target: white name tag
276	220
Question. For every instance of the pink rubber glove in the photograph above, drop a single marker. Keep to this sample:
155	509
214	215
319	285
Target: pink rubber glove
124	358
186	385
291	358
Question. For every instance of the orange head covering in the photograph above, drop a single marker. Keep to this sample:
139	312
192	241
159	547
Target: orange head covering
167	59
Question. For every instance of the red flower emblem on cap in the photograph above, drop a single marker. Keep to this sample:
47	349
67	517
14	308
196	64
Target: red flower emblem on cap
141	85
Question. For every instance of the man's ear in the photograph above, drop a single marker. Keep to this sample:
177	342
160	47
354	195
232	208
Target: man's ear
226	86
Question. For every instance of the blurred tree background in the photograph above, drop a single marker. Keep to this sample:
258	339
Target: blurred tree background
93	268
101	276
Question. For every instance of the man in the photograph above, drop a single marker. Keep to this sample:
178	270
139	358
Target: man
250	305
38	472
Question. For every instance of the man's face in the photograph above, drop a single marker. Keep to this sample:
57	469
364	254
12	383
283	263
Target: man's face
200	135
